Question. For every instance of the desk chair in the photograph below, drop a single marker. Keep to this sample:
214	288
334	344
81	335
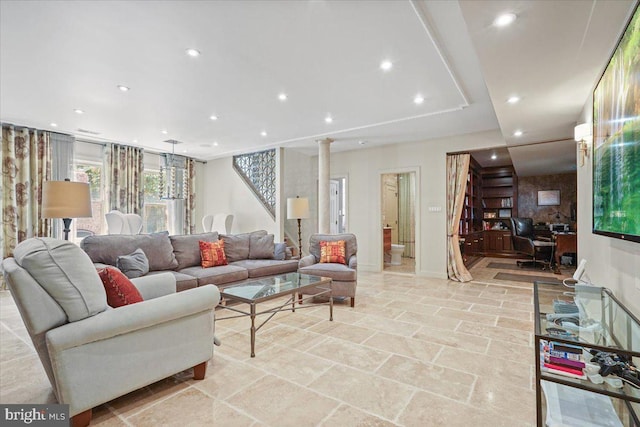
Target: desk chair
525	243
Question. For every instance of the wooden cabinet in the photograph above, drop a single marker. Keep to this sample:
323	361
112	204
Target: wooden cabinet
497	241
386	239
474	243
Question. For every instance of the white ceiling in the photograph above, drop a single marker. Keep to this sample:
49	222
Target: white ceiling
325	55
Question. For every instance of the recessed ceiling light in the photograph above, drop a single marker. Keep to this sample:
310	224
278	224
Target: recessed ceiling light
164	132
123	88
55	125
362	142
513	99
135	141
215	144
504	19
193	52
328	119
282	97
493	157
184	151
263	133
214	117
419	99
386	65
517	133
78	111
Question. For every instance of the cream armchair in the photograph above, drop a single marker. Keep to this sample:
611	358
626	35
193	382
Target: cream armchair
92	353
344	277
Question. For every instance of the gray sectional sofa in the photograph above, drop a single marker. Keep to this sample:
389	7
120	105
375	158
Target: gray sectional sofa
249	256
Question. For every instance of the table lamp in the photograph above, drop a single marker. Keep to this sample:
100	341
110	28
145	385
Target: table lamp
298	208
66	200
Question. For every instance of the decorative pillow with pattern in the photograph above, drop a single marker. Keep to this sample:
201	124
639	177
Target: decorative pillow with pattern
334	252
212	253
120	291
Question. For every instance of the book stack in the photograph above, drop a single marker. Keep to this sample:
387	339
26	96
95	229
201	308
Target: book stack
562	359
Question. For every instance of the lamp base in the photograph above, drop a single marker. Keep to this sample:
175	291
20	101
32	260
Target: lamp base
299	239
67	227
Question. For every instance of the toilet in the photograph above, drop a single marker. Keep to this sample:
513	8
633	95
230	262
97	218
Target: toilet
396	254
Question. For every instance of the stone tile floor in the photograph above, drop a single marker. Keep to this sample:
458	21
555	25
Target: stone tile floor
414	351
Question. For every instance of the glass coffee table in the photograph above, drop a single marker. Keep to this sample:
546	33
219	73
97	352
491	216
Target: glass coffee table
260	290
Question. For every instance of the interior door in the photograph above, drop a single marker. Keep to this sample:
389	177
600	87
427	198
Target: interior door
334	206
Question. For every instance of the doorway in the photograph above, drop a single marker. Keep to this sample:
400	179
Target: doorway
338	205
398	210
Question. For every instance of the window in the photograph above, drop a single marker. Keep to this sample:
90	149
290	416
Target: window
155	209
91	174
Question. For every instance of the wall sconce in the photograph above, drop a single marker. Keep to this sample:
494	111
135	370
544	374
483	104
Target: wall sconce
582	133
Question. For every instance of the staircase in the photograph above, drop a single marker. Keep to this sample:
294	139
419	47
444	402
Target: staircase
258	171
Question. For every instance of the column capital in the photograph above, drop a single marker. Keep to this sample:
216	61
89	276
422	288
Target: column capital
325	140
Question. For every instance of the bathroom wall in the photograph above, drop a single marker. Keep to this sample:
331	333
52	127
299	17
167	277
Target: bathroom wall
390	204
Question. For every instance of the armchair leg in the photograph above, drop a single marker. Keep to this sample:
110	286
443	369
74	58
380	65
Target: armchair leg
353	301
199	371
82	419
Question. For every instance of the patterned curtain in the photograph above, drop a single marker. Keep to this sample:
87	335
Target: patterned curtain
124	180
457	170
190	198
26	164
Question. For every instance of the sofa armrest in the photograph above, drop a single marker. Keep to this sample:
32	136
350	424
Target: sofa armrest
353	262
306	261
131	318
156	285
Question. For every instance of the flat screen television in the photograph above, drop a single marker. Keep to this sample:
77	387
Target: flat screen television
616	140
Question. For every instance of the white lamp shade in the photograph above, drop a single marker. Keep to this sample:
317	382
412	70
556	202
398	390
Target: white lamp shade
297	207
66	199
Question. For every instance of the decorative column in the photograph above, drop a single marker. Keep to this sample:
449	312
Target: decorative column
324	173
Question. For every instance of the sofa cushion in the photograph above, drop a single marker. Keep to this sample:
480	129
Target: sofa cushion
107	249
187	250
351	244
183	281
212	254
267	267
120	291
133	265
280	251
66	273
236	246
216	275
338	272
261	247
332	252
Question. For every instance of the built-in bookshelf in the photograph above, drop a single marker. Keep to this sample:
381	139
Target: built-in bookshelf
499	195
471	218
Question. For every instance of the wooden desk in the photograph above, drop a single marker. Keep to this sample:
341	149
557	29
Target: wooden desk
565	243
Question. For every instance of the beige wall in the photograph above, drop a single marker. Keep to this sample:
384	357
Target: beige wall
364	168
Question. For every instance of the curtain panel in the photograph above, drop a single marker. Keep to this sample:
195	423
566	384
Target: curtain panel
457	170
26	164
123	174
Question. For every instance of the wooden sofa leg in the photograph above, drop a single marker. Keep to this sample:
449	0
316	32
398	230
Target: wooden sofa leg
353	301
199	371
82	419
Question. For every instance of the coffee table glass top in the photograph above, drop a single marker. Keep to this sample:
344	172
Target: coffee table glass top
272	286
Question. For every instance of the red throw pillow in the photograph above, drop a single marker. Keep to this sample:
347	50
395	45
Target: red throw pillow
120	290
212	253
334	252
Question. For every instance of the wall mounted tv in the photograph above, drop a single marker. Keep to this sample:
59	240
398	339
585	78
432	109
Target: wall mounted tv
616	140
